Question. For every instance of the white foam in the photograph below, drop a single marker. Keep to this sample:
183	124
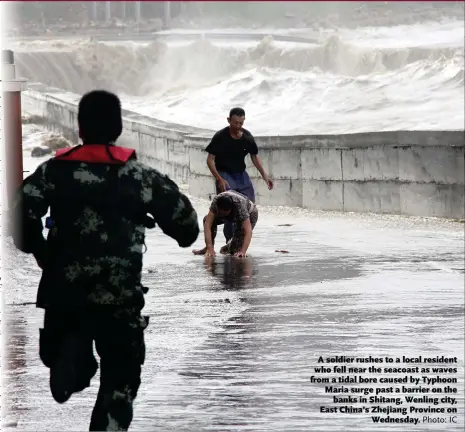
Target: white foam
372	78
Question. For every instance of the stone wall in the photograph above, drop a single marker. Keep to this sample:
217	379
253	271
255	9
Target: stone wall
417	173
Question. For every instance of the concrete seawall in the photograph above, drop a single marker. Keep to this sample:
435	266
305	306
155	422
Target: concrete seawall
418	173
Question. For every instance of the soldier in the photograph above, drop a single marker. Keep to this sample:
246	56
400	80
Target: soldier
100	198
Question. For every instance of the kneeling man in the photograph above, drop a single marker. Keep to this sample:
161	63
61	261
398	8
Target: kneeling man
230	206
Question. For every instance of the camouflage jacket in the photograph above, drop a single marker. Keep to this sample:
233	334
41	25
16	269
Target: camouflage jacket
93	252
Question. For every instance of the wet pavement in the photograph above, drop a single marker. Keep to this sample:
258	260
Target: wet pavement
232	343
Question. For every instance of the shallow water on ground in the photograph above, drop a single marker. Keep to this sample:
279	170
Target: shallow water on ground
232	343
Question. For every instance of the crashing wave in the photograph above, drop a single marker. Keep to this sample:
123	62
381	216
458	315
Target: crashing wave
137	69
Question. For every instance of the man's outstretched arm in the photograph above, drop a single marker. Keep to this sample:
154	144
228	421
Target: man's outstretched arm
208	231
29	207
212	167
258	164
173	212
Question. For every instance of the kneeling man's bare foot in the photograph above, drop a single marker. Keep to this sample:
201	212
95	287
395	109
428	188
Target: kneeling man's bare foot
225	249
202	251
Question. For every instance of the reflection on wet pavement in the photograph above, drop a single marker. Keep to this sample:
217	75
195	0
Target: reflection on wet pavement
232	342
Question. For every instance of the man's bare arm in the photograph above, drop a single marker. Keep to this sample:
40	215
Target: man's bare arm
258	164
212	167
208	230
222	183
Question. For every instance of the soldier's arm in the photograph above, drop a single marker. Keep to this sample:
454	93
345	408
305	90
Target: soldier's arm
173	212
29	207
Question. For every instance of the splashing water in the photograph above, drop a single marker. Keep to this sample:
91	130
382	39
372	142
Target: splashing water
377	78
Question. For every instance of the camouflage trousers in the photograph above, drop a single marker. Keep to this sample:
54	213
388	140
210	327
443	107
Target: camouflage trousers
235	243
66	347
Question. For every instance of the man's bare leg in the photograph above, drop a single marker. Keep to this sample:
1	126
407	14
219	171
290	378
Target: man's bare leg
202	251
225	249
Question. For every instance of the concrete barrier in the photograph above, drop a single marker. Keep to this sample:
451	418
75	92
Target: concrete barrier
418	173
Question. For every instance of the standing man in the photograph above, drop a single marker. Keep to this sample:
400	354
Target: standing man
226	160
100	198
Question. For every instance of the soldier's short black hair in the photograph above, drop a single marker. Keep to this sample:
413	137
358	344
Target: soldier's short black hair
224	202
239	112
99	117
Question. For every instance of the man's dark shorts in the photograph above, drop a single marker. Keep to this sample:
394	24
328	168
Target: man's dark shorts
239	182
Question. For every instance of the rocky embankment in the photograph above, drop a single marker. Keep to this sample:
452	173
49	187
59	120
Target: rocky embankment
50	143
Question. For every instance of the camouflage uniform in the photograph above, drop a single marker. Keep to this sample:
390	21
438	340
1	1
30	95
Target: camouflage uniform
243	209
91	286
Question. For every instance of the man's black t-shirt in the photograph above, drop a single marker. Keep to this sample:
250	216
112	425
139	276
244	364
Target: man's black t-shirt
229	152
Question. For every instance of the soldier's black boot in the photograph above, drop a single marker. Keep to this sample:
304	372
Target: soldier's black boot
73	368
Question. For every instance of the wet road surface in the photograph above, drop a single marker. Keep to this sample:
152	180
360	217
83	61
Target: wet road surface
232	343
